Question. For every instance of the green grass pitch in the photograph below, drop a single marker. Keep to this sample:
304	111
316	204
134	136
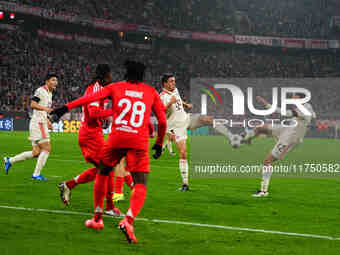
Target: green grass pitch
295	205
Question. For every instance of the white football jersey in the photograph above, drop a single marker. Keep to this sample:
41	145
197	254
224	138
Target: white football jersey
299	131
45	97
175	114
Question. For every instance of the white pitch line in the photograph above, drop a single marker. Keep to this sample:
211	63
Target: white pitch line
181	223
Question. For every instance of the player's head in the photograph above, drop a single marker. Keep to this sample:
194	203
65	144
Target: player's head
134	71
103	74
51	81
169	81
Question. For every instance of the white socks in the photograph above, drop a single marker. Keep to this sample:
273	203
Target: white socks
184	169
168	143
41	162
266	175
21	157
223	130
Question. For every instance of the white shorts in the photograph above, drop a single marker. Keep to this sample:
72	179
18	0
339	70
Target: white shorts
280	149
181	132
38	133
286	141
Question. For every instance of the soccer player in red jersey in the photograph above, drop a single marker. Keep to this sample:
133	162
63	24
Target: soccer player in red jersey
91	138
132	103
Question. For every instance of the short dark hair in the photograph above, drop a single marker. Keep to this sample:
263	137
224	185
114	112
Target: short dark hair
50	75
166	76
101	71
134	71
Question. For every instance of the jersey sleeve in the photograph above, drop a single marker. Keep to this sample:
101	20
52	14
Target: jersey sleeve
96	113
90	91
37	95
165	99
101	94
159	110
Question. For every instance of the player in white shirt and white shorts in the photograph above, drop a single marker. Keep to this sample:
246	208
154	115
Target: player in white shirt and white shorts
179	121
41	104
287	139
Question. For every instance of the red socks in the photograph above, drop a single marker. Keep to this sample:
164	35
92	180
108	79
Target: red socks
137	199
119	184
129	181
99	192
86	176
109	202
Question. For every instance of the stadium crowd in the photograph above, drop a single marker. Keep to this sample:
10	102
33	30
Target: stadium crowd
26	59
292	18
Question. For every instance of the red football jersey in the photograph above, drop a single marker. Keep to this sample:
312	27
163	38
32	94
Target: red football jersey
132	105
94	112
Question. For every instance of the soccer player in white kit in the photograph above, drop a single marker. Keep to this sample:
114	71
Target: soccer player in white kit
178	122
287	139
41	104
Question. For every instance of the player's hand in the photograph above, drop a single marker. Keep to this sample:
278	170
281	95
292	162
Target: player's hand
173	100
57	113
261	100
48	110
158	151
189	106
49	125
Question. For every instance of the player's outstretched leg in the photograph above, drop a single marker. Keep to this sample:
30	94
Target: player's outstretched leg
7	164
9	161
65	193
66	186
250	134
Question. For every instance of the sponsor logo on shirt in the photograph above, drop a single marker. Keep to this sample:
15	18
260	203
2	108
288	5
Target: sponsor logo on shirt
132	93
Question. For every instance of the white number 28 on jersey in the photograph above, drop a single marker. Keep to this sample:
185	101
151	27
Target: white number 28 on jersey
138	110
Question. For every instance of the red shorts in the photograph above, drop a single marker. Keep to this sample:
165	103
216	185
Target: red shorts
91	146
136	160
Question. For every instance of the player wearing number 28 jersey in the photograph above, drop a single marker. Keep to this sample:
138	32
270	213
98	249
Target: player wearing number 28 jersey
132	104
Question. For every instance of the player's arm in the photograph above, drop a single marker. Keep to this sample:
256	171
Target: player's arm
49	124
167	103
101	94
96	112
36	106
158	109
188	106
